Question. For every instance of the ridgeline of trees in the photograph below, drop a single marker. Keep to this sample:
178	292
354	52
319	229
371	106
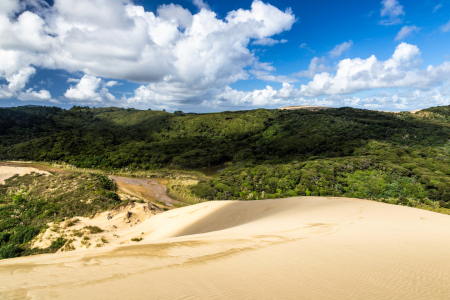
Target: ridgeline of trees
400	157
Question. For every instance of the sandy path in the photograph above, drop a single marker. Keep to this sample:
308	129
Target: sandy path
9	171
149	189
296	248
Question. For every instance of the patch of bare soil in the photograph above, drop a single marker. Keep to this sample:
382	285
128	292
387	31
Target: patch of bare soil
9	171
32	165
153	190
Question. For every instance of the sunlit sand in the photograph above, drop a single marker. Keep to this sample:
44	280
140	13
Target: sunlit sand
294	248
9	171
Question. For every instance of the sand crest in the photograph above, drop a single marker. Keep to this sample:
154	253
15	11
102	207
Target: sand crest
9	171
294	248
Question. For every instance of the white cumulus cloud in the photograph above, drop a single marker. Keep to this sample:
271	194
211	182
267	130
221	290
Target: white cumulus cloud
31	95
173	51
401	70
416	87
90	89
17	82
201	4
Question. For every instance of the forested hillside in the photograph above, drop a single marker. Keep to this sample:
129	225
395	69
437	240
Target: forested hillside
352	152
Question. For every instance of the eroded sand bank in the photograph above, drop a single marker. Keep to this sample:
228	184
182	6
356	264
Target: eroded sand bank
295	248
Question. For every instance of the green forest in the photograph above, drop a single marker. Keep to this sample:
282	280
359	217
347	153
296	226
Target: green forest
393	157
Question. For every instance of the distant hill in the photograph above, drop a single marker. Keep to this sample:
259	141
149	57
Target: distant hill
307	107
272	152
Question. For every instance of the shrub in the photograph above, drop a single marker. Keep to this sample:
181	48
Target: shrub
57	244
428	202
106	183
93	229
18	199
403	200
9	251
24	234
72	222
4	238
113	196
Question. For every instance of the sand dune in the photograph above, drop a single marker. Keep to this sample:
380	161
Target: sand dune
295	248
119	226
9	171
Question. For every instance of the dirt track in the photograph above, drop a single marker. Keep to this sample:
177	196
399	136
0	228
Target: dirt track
153	190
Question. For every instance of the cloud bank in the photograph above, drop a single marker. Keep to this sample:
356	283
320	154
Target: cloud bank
183	58
401	71
174	51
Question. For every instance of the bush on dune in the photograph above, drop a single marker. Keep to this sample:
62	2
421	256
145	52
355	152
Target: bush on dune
28	203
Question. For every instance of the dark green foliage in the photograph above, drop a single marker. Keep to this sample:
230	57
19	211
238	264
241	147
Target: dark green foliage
93	229
4	238
115	138
106	183
336	152
383	172
112	196
41	199
57	244
23	234
9	251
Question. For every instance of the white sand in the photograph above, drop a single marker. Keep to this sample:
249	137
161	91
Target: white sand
7	172
295	248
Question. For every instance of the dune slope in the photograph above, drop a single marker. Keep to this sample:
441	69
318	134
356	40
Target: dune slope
295	248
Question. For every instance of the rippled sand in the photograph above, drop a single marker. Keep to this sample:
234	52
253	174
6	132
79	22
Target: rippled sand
295	248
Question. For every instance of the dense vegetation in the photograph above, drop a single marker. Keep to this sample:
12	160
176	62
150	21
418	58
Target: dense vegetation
398	158
116	138
28	203
383	173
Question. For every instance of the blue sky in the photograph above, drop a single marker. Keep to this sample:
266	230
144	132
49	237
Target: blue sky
225	55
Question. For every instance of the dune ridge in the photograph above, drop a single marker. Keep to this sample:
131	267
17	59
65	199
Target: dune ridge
292	248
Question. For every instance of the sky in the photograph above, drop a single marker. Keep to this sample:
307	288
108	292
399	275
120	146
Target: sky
208	56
